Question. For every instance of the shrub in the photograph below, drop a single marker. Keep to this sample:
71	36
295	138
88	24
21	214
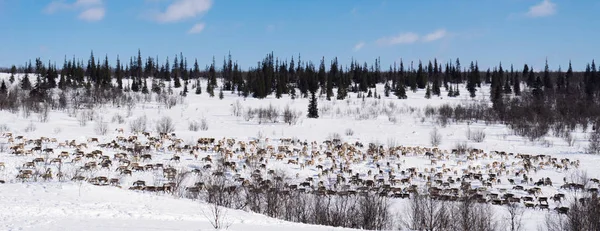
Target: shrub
349	132
4	128
118	118
435	137
193	126
101	127
290	116
30	127
203	124
237	108
594	145
165	125
477	135
138	125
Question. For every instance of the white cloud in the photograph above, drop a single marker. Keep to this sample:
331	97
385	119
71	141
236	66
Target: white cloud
183	9
543	9
92	14
199	27
404	38
436	35
90	10
358	46
411	37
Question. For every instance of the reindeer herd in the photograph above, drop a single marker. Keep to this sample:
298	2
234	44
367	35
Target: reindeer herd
158	163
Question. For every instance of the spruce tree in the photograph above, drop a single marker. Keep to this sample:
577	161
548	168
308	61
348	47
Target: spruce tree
135	87
13	71
221	96
386	89
3	89
198	87
428	92
313	111
185	89
568	77
145	87
210	90
547	81
25	83
400	91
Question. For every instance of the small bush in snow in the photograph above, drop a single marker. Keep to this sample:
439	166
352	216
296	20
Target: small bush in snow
461	147
477	135
334	136
594	145
30	127
392	118
101	127
568	137
435	137
249	114
82	119
118	118
290	116
4	128
138	125
165	125
193	126
391	142
349	132
203	124
237	109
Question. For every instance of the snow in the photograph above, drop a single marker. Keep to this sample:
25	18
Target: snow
73	206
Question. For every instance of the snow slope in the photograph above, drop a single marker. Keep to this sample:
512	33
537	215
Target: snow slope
73	206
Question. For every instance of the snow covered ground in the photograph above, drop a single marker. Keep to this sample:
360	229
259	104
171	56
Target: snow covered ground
71	206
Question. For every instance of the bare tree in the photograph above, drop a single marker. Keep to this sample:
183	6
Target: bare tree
515	216
217	216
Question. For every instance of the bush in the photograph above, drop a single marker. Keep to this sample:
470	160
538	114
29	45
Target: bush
568	137
249	114
435	137
594	145
165	125
334	136
193	126
30	127
101	127
203	124
138	125
461	147
290	116
4	128
118	118
237	108
477	135
349	132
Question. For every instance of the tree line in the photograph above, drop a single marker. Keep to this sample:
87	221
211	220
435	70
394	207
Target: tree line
547	99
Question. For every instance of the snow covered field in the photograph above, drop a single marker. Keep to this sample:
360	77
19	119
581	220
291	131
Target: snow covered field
73	206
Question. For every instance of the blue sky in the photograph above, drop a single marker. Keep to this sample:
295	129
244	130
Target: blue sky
489	31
